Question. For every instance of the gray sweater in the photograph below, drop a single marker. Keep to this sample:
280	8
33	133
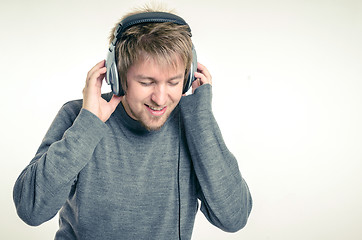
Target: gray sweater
116	180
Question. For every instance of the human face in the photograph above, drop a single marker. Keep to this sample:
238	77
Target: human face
153	91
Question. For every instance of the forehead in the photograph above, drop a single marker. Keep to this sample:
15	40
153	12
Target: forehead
171	63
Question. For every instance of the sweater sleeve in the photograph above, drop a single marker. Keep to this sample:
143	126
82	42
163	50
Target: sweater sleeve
44	185
225	198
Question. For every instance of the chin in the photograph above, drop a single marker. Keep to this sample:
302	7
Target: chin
152	127
155	123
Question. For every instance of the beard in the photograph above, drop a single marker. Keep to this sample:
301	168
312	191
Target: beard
149	122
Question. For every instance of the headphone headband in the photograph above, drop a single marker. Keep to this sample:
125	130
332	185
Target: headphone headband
148	17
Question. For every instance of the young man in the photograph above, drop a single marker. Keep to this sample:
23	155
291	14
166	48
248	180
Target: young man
134	166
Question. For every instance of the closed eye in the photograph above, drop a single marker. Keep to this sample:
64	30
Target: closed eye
146	83
173	83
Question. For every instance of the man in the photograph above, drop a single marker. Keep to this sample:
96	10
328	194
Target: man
133	165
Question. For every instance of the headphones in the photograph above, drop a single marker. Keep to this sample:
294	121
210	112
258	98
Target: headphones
112	77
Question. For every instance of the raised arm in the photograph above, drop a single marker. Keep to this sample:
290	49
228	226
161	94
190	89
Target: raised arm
225	197
44	185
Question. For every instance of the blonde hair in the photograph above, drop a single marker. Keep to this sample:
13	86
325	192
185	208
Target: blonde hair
167	43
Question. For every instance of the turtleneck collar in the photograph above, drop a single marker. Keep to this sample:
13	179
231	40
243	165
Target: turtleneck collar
134	125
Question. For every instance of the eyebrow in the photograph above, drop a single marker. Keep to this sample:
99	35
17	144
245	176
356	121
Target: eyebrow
143	77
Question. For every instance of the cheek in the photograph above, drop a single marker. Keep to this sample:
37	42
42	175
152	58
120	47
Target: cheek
176	94
176	98
137	95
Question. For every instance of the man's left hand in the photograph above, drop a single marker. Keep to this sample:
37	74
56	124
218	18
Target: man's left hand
202	76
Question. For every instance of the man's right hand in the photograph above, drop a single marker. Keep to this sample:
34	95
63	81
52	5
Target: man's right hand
92	99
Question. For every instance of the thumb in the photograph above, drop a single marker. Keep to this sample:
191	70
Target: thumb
196	84
115	100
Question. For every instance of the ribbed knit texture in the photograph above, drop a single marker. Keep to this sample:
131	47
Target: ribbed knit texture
116	180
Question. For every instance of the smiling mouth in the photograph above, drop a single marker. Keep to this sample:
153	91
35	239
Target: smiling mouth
156	111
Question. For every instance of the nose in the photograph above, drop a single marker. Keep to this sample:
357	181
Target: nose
159	95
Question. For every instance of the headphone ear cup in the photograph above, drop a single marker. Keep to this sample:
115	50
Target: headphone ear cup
193	68
112	77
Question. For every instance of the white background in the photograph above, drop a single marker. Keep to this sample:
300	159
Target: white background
287	95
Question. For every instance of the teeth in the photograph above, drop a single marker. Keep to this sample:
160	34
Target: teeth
156	109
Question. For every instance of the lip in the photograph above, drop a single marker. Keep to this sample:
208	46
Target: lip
156	112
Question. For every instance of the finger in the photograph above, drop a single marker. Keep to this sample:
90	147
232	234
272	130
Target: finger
195	84
201	68
94	70
205	72
99	75
96	77
203	79
96	67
